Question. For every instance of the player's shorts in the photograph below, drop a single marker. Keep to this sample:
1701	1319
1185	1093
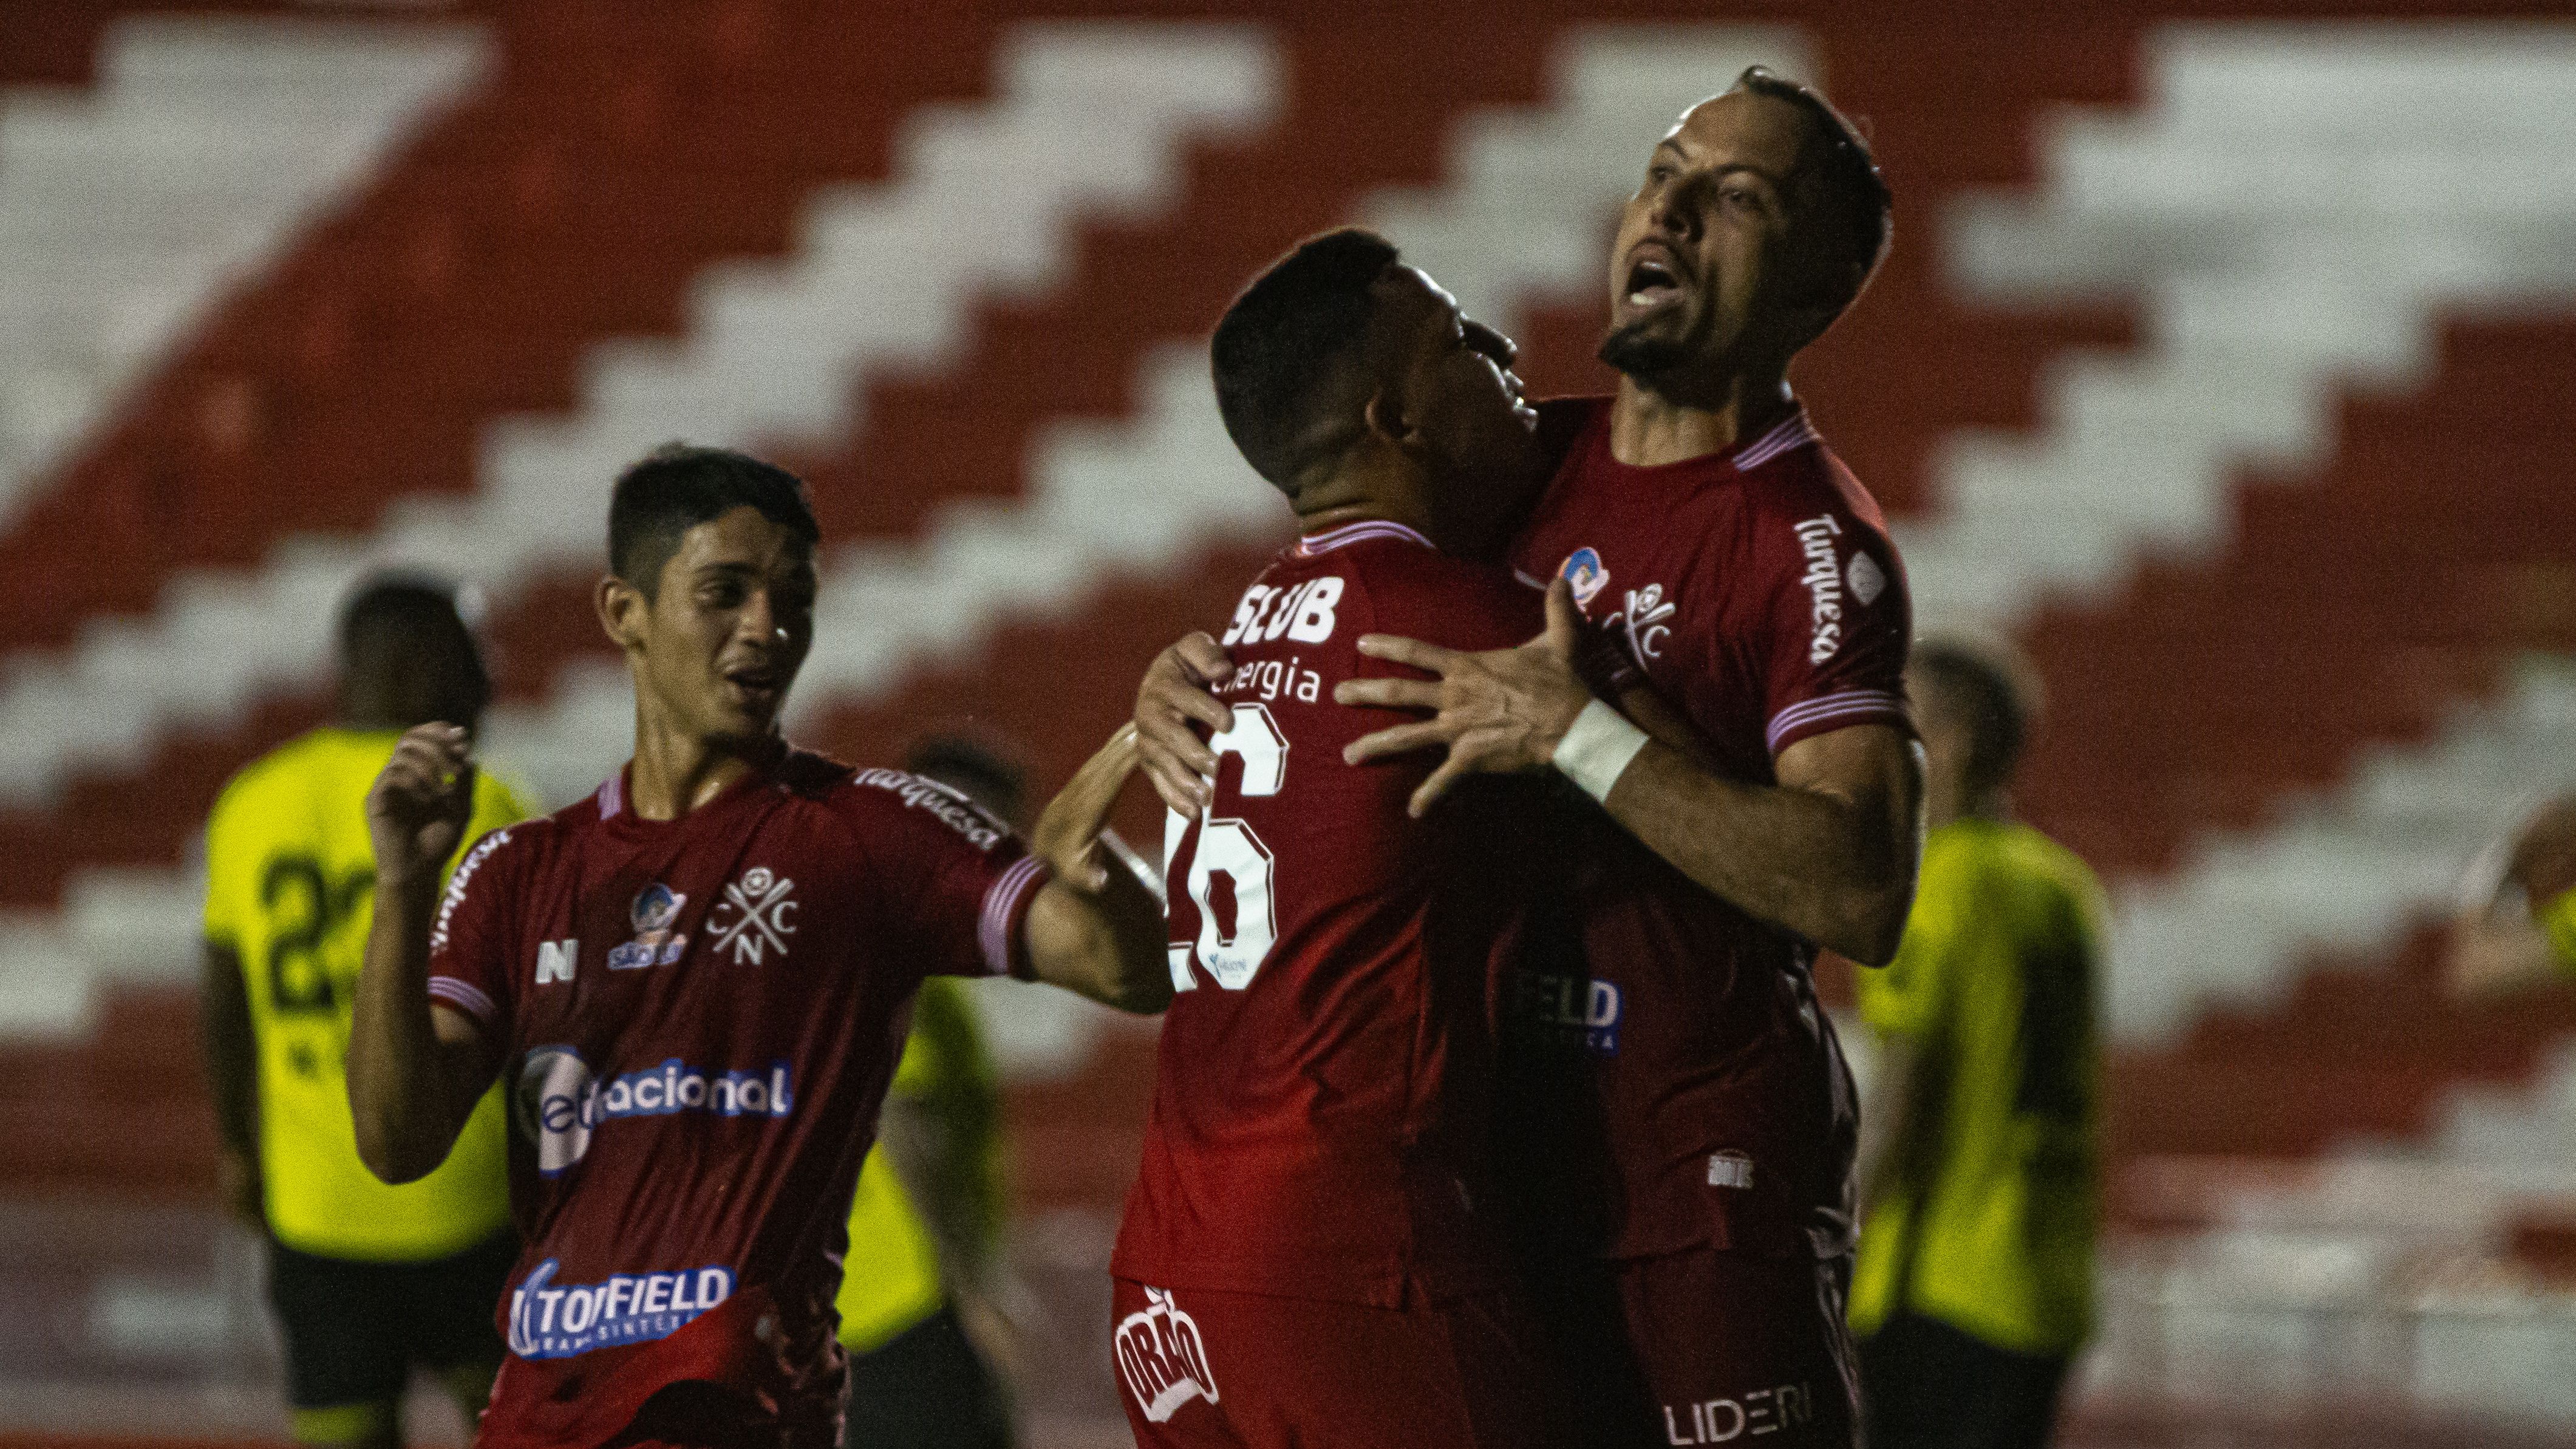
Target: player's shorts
1208	1370
1703	1347
354	1330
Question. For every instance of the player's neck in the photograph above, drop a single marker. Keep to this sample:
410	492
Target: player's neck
675	772
1360	493
1945	803
1652	425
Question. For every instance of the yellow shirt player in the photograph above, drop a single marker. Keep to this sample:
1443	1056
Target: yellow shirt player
2516	926
921	1328
1980	1155
368	1280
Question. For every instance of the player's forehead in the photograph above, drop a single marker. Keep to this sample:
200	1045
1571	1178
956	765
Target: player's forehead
1411	305
1740	128
741	540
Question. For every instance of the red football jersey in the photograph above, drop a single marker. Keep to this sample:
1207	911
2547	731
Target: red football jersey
697	1021
1323	1090
1690	1092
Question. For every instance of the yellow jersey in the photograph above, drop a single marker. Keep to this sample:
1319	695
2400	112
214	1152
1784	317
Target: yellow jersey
891	1277
2557	920
1988	1218
290	882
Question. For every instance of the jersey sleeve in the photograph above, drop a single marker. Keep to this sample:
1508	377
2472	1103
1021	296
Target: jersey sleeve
1829	643
470	937
955	883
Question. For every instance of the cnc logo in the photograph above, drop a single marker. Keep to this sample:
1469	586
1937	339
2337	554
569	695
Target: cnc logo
1585	571
1162	1358
551	1322
1643	622
764	907
656	907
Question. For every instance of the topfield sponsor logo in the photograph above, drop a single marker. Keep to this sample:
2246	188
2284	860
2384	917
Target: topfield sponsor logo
551	1322
561	1102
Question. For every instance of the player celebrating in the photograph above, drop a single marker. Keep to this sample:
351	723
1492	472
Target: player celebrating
694	984
1310	1254
1695	1137
368	1280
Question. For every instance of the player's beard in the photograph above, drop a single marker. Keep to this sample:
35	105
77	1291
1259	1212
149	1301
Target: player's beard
1637	351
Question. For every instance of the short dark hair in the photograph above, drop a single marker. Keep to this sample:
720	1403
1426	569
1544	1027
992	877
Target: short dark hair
407	649
1837	186
1997	693
676	487
987	772
1275	349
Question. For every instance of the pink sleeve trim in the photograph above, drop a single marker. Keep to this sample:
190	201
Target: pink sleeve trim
465	996
1005	901
1833	712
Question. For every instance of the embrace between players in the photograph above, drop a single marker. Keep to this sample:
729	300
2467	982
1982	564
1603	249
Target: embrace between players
1486	1113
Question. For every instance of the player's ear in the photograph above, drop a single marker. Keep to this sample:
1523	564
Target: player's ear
1386	417
621	608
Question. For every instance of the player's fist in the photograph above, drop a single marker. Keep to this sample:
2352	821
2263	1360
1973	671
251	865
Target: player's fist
418	808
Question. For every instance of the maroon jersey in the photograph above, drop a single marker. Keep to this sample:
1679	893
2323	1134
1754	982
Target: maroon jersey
697	1020
1324	1083
1690	1092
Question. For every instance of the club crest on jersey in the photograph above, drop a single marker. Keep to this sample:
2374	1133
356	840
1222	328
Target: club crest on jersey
764	907
656	907
1162	1358
1584	570
1643	622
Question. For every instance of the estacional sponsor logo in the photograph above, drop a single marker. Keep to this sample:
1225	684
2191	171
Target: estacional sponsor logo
561	1102
550	1321
1569	1010
1162	1358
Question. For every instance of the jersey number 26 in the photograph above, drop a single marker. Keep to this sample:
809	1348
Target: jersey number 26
1230	872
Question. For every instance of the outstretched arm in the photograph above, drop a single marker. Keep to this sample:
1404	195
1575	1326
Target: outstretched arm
415	1068
1828	851
1094	928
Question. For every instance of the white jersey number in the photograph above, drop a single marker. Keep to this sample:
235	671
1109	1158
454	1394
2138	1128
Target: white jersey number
1231	860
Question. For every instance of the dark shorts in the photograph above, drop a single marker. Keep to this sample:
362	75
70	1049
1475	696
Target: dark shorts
1931	1386
355	1330
926	1388
1206	1370
1704	1347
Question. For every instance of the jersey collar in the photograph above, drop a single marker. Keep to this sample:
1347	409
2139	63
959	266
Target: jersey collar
1786	436
1350	533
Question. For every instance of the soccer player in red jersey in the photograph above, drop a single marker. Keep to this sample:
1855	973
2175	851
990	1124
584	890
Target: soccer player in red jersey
694	985
1312	1253
1681	1121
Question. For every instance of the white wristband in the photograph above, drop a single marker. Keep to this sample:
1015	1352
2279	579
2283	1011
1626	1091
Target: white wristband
1597	748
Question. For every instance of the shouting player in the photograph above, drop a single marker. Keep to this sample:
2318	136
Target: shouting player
1311	1253
1687	1151
693	986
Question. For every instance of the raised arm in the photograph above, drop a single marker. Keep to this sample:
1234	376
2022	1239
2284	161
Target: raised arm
1829	850
415	1068
1094	928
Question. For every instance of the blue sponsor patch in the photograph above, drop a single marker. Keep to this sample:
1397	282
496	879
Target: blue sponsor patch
547	1321
1585	571
1569	1010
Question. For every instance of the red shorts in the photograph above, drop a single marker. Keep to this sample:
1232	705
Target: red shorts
1206	1370
1704	1347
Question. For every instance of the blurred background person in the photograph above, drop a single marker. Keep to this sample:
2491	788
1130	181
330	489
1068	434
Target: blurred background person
1980	1138
2516	926
368	1281
928	1344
